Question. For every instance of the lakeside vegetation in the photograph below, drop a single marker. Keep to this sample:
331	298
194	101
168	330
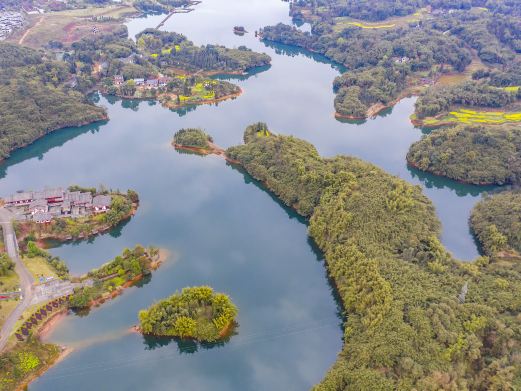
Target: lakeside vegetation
25	362
415	317
192	137
382	63
471	153
413	45
196	312
28	357
175	50
35	98
496	222
42	263
182	67
111	278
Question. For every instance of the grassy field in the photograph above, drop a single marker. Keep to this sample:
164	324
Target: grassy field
9	283
6	307
484	117
343	22
38	266
465	116
71	25
451	79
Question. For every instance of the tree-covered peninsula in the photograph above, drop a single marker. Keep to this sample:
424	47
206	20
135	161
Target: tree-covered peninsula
111	278
169	49
496	222
196	312
36	98
415	317
471	153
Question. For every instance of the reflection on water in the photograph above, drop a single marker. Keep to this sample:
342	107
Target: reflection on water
226	230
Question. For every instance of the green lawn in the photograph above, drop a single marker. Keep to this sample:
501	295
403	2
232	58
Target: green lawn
38	266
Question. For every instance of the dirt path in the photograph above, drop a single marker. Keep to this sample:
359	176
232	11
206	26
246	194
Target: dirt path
22	38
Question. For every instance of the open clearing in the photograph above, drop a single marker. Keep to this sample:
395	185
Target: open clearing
38	266
72	25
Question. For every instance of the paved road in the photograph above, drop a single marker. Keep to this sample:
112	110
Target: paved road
26	279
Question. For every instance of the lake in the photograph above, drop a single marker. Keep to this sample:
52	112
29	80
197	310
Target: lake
221	228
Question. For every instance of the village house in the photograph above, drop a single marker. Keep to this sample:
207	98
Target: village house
163	81
42	218
139	82
118	80
43	206
101	203
152	83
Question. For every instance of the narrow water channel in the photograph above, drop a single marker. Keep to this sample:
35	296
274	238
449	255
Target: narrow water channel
220	227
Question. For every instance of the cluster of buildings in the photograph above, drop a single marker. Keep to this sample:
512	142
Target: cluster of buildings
150	83
9	22
44	206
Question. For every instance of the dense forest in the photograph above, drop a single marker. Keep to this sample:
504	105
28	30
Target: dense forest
35	98
376	10
173	49
160	6
196	312
472	154
192	137
496	222
415	317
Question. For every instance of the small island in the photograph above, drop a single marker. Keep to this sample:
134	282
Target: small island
193	139
196	313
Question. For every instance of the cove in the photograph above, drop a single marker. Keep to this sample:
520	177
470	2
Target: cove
221	228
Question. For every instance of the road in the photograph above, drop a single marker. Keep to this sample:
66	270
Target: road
26	279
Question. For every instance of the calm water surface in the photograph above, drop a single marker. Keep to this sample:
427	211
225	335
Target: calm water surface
220	227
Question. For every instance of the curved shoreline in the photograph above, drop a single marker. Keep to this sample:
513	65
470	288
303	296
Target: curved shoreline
104	117
435	173
214	150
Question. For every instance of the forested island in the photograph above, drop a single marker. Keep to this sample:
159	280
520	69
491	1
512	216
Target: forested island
416	318
197	313
496	222
476	154
193	139
36	98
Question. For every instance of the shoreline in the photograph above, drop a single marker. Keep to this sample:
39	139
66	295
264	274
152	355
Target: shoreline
64	239
214	150
64	352
182	105
105	117
414	165
47	327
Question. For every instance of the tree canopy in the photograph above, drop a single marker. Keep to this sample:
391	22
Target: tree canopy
473	154
196	312
415	317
